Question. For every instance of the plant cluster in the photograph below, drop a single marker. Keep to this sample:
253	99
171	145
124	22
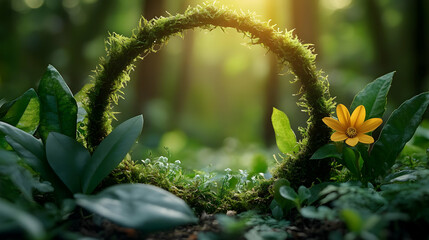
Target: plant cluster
68	171
382	193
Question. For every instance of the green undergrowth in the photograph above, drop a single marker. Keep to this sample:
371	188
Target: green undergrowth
211	192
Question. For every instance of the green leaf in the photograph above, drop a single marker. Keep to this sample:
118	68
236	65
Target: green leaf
110	152
350	156
288	193
303	193
31	150
58	108
27	146
67	158
22	112
140	206
374	96
20	176
329	150
285	137
352	219
276	210
259	164
315	191
320	213
230	225
279	199
12	216
397	131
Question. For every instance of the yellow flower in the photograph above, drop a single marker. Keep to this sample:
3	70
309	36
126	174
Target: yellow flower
352	129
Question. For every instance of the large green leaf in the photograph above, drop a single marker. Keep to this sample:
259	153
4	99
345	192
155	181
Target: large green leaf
289	193
329	150
140	206
110	152
31	150
27	146
58	108
20	177
303	193
285	137
11	216
374	96
22	112
397	131
68	159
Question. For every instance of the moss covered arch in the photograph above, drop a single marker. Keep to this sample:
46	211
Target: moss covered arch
113	73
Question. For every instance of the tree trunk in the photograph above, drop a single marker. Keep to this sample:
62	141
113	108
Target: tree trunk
272	83
149	70
305	16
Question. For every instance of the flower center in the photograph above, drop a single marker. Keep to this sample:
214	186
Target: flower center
351	132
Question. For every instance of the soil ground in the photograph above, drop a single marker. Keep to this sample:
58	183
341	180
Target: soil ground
300	229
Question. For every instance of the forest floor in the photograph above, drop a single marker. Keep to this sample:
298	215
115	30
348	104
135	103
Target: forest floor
300	229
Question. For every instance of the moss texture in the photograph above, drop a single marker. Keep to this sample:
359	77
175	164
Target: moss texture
113	73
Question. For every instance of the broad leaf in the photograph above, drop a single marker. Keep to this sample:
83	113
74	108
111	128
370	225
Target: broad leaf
12	216
288	193
285	137
397	131
31	150
27	146
315	191
329	150
22	112
58	108
352	219
303	193
276	210
374	96
68	159
20	177
110	152
321	213
140	206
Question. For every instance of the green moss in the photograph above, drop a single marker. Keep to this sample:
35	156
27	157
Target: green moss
113	73
202	194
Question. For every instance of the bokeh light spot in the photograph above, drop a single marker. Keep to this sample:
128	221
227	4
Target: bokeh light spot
336	4
70	3
34	3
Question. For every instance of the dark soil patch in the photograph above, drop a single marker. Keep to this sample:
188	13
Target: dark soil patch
109	230
301	229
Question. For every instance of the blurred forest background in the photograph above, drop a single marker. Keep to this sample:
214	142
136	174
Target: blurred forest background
207	97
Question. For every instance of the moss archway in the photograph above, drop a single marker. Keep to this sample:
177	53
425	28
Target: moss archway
113	73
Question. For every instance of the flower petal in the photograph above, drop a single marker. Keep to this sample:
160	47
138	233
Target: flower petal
369	125
338	136
352	141
334	124
363	138
343	115
358	116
